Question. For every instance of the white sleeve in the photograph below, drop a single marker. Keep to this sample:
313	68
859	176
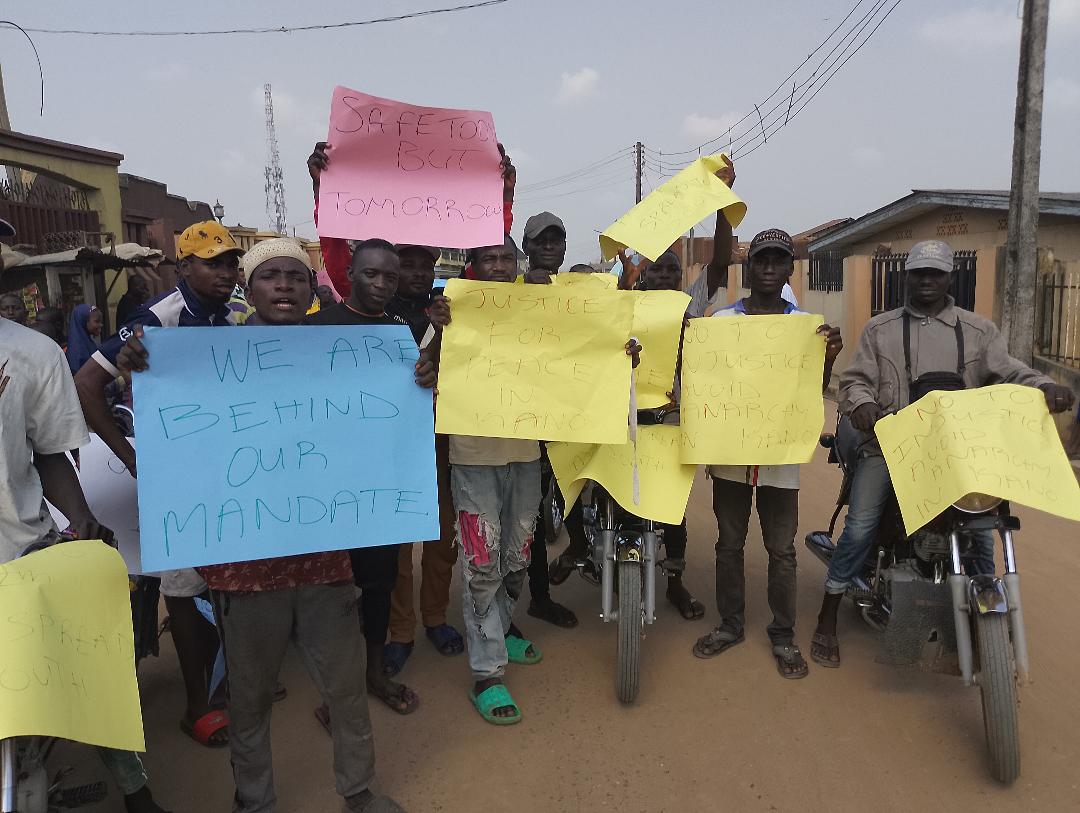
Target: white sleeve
54	417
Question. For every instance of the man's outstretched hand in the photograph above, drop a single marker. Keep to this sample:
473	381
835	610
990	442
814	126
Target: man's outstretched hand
865	416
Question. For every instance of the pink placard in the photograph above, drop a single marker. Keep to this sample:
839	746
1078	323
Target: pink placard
410	174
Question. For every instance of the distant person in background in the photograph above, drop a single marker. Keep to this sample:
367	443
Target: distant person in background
13	308
50	321
137	293
326	296
582	268
84	335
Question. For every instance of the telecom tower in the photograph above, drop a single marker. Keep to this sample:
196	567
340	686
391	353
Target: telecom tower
275	185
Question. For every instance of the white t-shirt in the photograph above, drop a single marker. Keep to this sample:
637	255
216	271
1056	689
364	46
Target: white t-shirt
39	414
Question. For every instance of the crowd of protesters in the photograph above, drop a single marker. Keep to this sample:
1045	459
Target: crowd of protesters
353	614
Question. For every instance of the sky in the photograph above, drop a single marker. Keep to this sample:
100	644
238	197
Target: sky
928	102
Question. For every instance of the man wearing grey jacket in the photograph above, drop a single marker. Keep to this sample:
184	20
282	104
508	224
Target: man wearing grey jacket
900	354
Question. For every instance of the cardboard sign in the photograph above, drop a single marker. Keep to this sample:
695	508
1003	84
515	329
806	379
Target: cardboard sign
751	389
410	174
68	669
539	362
999	440
274	441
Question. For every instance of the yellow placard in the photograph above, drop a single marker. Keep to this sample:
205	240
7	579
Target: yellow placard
68	663
658	323
540	362
751	389
663	480
599	280
671	209
997	440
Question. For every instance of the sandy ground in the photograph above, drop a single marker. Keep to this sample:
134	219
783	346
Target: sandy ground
724	734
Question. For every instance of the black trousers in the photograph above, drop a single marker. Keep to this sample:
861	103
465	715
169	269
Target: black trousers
778	513
375	573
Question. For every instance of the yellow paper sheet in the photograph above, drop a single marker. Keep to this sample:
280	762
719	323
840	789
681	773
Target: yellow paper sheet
542	362
998	440
600	280
751	389
664	482
671	209
658	321
68	663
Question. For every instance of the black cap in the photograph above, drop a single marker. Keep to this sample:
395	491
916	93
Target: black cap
6	229
771	238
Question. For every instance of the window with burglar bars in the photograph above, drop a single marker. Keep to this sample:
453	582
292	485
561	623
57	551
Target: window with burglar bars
827	271
887	281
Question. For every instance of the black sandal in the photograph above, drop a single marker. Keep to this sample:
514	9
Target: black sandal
825	650
553	613
789	662
689	607
717	641
560	569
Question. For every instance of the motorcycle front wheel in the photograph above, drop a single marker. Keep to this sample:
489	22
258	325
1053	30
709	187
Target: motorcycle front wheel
628	655
997	681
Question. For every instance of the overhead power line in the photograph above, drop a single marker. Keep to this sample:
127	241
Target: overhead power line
276	30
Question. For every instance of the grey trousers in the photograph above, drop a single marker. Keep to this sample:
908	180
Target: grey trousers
256	629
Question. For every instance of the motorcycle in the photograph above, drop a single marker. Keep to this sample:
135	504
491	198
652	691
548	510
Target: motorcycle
623	561
914	589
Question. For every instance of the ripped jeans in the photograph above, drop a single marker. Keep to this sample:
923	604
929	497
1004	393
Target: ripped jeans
496	517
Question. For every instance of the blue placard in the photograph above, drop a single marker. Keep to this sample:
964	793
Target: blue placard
275	441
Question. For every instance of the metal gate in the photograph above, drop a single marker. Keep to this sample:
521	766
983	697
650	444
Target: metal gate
887	281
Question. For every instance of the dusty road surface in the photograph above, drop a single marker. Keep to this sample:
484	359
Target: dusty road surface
725	734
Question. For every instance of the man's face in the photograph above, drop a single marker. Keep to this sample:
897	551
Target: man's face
212	280
770	269
927	286
417	273
138	289
12	307
280	291
548	249
665	274
326	296
374	274
495	263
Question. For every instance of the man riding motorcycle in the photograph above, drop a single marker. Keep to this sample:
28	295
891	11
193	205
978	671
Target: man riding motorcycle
929	344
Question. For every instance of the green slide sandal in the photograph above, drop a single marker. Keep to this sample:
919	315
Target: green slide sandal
516	649
495	697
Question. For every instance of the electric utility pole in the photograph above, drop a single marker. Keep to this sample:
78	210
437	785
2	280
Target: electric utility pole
1021	248
638	149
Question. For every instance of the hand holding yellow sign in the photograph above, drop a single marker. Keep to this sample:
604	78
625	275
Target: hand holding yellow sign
664	481
658	324
998	440
751	389
542	362
669	210
68	664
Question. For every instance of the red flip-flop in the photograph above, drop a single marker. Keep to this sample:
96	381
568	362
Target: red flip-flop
206	727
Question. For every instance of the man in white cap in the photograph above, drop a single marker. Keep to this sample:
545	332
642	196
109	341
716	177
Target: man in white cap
929	343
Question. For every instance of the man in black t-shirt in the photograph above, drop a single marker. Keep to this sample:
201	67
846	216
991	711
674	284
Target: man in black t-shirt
374	276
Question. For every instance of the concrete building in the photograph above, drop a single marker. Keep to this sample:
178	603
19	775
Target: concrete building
855	271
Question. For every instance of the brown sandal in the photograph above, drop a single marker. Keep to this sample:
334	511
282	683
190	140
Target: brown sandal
825	650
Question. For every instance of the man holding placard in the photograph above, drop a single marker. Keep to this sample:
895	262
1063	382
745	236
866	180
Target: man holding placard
208	264
771	259
929	344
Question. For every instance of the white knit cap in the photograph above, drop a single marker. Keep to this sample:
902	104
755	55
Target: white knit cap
271	249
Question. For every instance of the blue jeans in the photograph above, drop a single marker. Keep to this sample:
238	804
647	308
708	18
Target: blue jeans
870	491
496	518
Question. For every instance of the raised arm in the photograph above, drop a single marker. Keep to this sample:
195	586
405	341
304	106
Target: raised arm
722	237
335	251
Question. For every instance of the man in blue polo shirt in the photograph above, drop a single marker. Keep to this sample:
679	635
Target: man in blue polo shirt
771	261
207	263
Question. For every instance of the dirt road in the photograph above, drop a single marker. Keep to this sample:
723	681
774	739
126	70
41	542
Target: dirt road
727	734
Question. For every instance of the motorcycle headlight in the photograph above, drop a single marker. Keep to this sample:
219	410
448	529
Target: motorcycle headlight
976	503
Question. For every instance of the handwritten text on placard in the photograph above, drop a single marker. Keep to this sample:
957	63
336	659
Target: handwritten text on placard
274	441
540	362
751	389
410	174
68	668
998	440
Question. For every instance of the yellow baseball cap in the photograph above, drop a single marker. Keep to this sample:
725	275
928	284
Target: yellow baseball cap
205	240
